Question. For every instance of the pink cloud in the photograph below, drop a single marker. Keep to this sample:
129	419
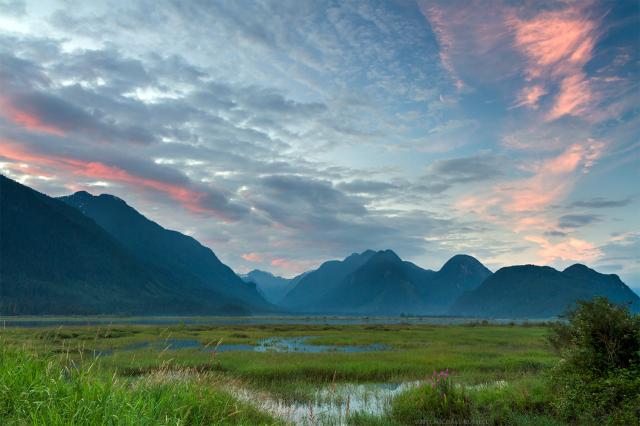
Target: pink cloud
530	95
574	97
572	249
253	257
190	199
26	119
556	43
551	180
521	205
549	49
556	46
445	36
289	266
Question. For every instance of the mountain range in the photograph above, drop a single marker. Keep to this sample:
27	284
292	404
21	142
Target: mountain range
381	283
181	256
272	287
88	254
541	292
55	258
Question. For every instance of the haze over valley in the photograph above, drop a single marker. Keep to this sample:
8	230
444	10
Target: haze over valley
88	254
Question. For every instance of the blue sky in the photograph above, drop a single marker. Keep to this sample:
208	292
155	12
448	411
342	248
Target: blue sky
282	134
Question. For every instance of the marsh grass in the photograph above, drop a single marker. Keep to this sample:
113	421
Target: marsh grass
524	403
158	385
40	391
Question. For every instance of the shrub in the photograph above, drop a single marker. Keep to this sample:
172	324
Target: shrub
599	337
598	378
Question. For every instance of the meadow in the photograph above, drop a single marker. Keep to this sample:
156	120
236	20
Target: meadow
194	374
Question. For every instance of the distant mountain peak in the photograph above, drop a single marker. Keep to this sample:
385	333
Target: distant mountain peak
366	253
580	270
578	267
259	271
460	259
82	194
462	262
541	291
387	255
81	199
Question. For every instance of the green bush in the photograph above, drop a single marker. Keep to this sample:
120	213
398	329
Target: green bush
599	337
598	378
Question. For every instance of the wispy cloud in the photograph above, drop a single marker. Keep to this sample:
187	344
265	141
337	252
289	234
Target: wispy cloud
557	45
430	127
572	249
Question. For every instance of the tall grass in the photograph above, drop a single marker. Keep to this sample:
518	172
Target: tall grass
40	391
501	403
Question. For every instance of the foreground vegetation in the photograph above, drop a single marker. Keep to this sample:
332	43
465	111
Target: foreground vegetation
43	392
490	374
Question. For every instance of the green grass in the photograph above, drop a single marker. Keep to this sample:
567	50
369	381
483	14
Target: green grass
54	369
525	402
34	390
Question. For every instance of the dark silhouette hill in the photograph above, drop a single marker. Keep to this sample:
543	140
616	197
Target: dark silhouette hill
382	283
179	255
317	284
56	260
530	291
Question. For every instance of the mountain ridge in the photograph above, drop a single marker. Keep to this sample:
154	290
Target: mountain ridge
541	291
381	282
88	254
56	260
180	255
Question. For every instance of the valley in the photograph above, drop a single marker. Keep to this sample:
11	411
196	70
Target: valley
290	383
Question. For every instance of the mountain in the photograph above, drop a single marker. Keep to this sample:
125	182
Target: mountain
321	282
530	291
178	255
382	283
272	287
459	274
56	260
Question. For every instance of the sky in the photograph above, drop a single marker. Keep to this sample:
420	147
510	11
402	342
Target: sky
285	133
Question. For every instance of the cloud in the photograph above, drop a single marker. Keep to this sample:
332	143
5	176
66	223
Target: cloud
12	7
552	178
445	37
328	128
622	248
196	199
253	257
601	203
465	169
574	97
555	233
522	205
557	45
545	48
293	266
372	187
41	112
572	249
577	220
529	96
